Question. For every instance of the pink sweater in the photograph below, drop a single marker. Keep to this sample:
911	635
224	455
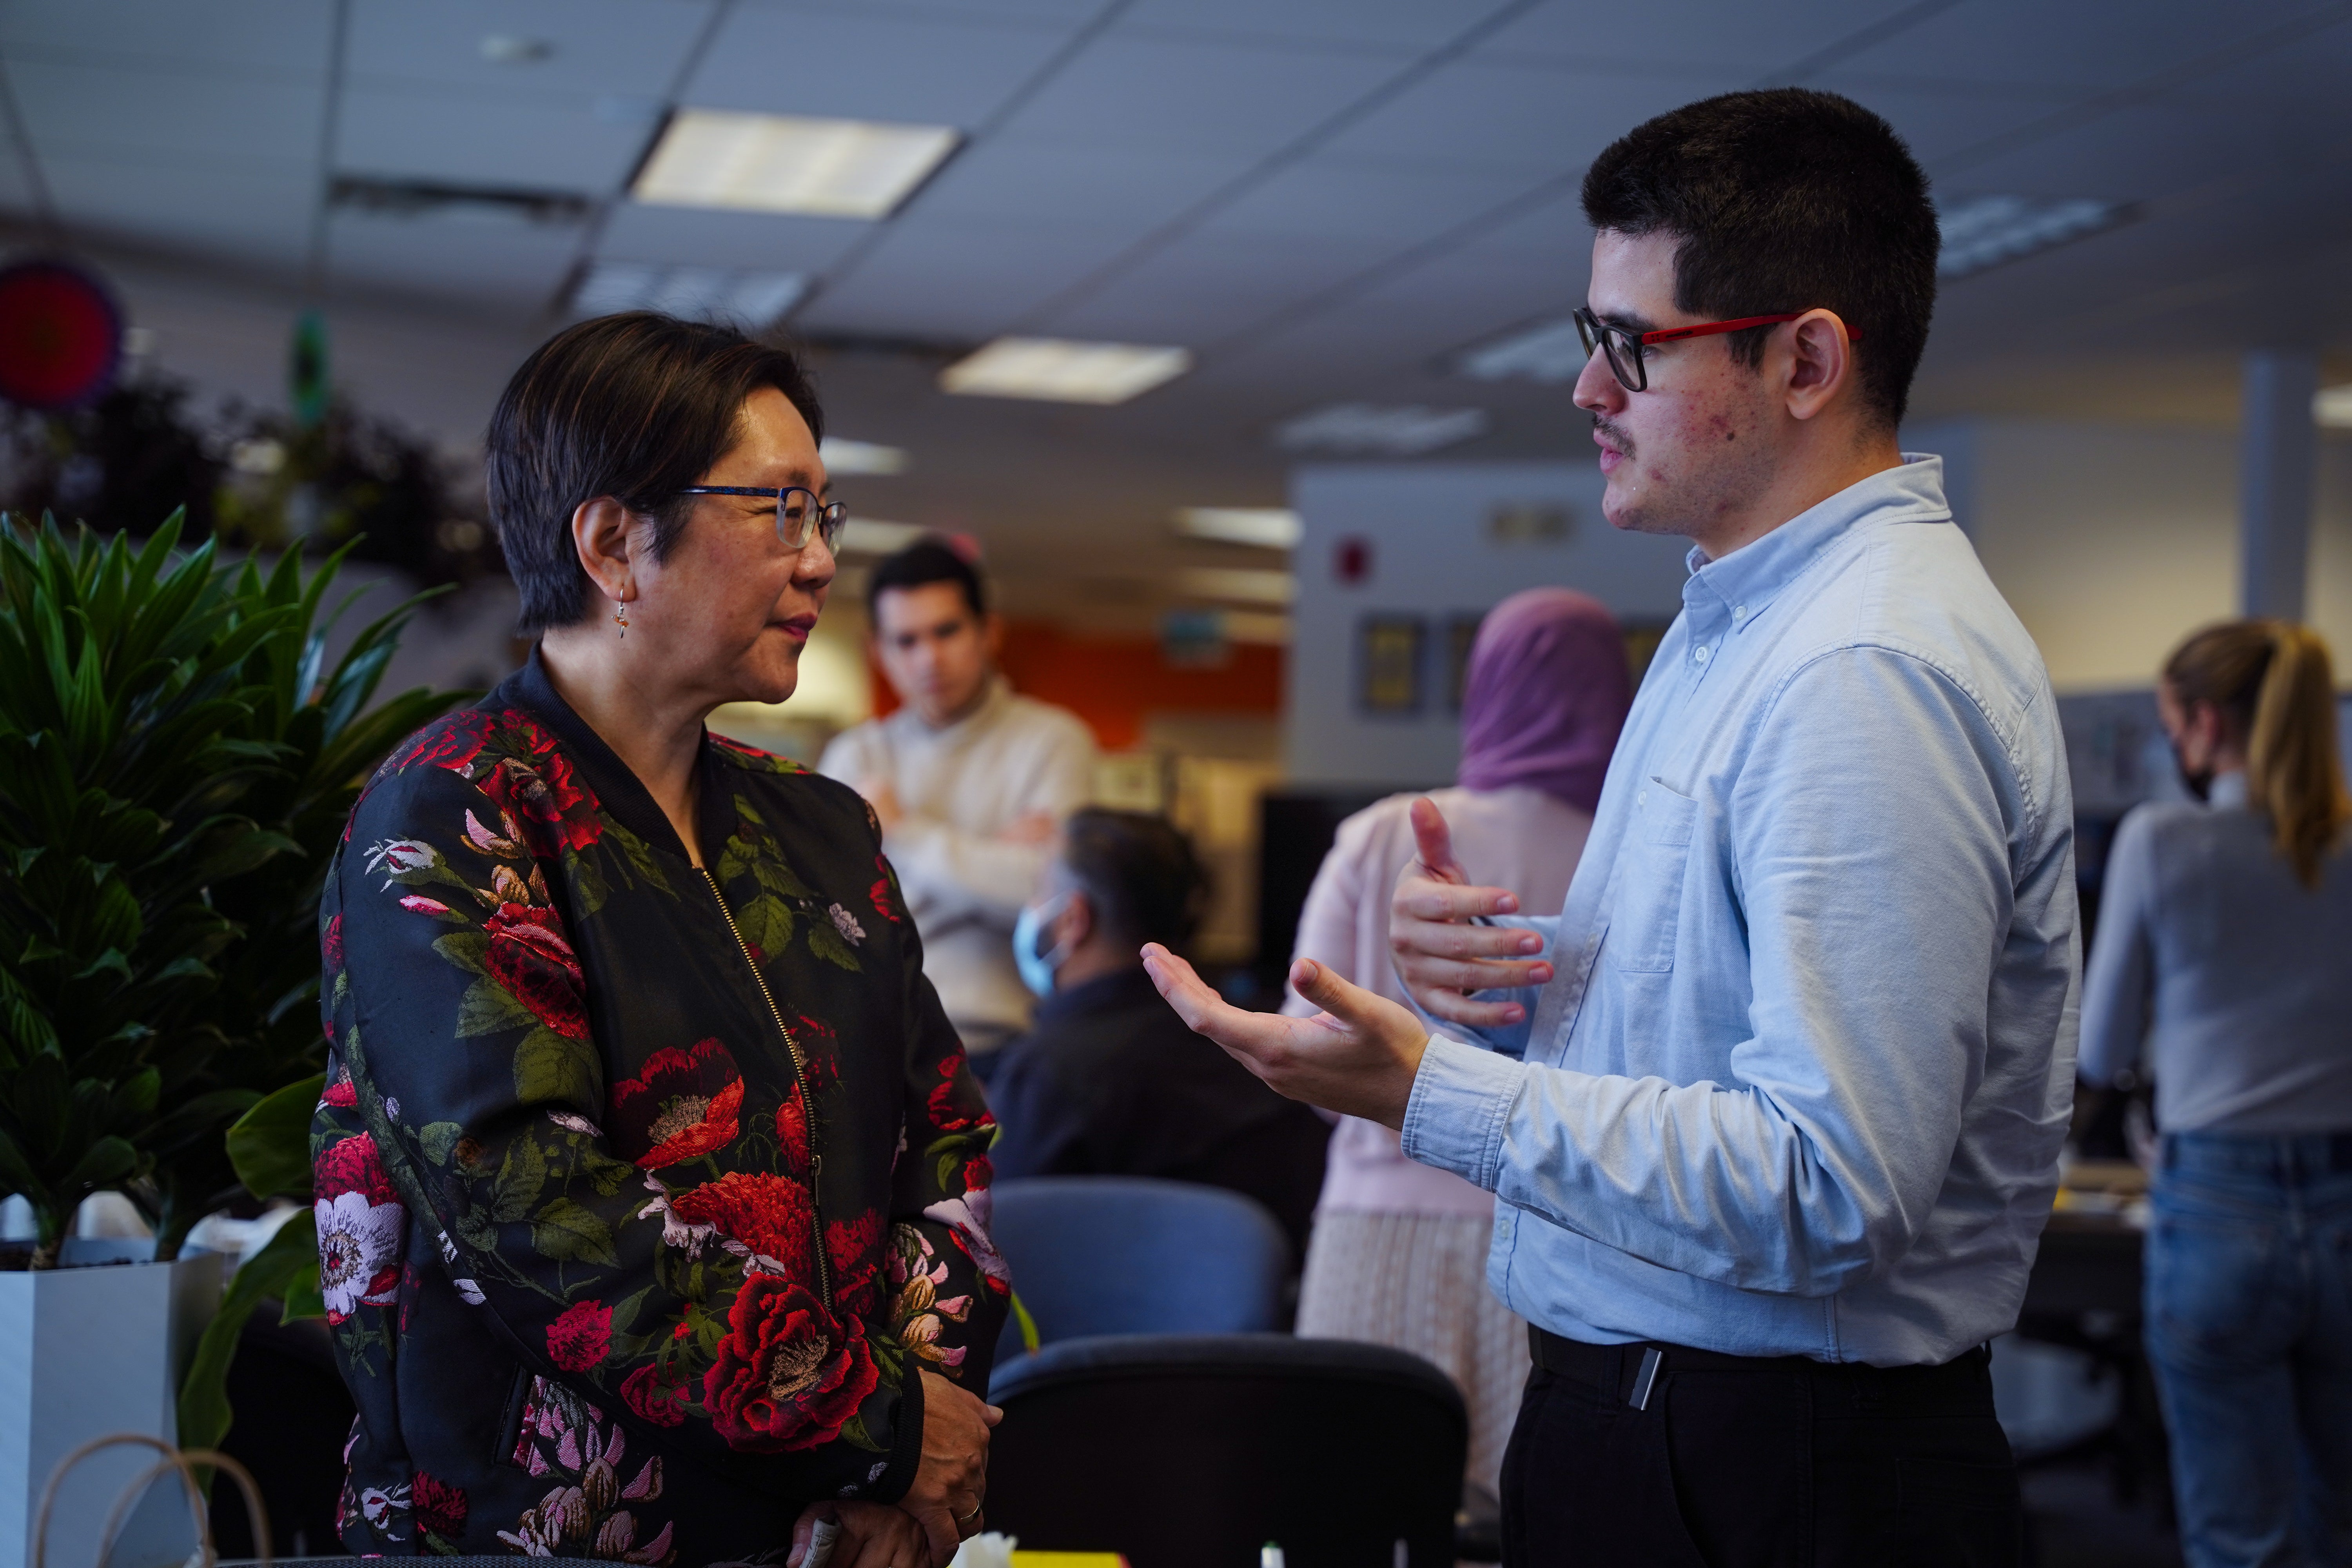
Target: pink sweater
1520	838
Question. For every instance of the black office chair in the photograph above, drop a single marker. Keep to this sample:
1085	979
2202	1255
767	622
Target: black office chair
1178	1450
1132	1255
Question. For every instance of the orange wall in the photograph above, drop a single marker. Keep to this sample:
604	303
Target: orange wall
1114	683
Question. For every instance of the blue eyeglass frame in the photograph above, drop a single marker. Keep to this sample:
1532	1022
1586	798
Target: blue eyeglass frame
824	517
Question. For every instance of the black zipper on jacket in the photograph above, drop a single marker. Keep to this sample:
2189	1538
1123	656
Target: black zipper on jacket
800	1081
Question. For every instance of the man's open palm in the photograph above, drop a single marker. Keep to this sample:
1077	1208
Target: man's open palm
1356	1057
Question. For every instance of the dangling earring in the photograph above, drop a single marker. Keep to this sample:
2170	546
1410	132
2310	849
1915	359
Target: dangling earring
621	616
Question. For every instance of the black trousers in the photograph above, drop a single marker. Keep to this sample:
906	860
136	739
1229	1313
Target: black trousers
1739	1462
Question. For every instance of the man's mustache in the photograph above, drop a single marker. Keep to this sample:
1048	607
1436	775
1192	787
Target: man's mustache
1616	434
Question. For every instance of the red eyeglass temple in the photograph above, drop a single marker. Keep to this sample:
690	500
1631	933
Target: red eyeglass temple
1708	329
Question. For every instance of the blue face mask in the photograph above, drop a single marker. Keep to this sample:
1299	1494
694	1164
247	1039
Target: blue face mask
1029	936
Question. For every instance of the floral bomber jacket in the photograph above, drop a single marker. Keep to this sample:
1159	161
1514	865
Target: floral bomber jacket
643	1190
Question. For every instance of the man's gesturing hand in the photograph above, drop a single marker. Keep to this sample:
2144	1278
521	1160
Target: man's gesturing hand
1440	955
954	1476
1356	1057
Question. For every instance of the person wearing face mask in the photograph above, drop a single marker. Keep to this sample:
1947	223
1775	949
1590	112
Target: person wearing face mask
1109	1082
2224	955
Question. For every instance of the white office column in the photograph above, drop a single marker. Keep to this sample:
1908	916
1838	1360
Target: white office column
2278	462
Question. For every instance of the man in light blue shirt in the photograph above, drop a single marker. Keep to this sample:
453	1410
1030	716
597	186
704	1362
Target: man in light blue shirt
1774	1106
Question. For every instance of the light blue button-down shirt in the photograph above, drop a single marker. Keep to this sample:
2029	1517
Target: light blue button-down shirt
1799	1085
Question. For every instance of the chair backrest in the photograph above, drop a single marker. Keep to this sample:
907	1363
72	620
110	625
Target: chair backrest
1133	1254
1181	1450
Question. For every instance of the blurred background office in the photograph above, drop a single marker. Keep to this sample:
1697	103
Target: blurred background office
1229	342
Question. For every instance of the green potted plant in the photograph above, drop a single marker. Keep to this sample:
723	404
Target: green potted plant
175	762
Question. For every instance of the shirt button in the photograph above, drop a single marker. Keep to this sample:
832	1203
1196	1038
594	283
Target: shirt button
1699	654
1642	797
1738	612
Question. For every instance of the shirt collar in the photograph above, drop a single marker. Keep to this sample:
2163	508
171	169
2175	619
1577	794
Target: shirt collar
1737	587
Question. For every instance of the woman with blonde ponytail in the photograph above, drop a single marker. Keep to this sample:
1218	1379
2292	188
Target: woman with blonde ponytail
2224	953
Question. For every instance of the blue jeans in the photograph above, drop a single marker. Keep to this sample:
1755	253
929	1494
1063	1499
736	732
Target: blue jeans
2249	1300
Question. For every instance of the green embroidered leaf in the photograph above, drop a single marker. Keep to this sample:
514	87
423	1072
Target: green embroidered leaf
564	1229
853	1432
624	1311
777	878
550	1068
607	1175
638	858
476	1229
465	948
589	888
522	1175
766	923
489	1008
947	1168
735	858
826	944
439	1139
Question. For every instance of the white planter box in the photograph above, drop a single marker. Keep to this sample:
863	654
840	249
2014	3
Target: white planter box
86	1352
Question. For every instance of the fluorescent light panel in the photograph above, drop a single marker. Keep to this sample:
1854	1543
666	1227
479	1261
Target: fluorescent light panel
1248	585
1057	369
1361	427
872	536
1268	528
1549	352
2331	406
788	164
1986	231
697	294
844	457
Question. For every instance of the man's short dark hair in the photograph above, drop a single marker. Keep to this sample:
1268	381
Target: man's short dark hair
1140	874
1785	200
925	560
636	406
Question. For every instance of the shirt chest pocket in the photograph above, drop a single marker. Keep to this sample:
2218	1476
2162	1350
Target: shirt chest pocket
1647	903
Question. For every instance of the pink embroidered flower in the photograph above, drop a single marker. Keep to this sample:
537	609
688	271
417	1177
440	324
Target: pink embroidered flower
531	956
440	1507
578	1340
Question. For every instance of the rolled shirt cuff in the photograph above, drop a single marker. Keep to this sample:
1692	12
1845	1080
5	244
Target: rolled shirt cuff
1461	1100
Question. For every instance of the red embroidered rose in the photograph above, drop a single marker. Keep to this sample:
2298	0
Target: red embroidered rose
946	1114
659	1397
343	1094
352	1165
452	743
882	893
855	1247
553	809
791	1130
788	1376
578	1340
681	1105
764	1215
331	944
978	1171
440	1507
529	955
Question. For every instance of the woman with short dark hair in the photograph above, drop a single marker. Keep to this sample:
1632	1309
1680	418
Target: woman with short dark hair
2224	954
651	1188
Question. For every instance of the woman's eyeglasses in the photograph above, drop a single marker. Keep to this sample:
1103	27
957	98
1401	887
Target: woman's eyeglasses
1624	345
799	512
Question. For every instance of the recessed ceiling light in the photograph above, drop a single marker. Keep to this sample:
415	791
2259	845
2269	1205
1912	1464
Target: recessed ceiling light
1985	231
1395	432
697	294
872	536
1249	586
785	164
1269	528
1059	371
1549	352
844	457
2331	406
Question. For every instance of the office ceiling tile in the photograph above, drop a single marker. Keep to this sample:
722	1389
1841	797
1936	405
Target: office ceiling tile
515	265
1481	113
1204	287
961	280
693	237
1403	26
594	46
259	37
1188	95
1386	206
474	138
2090	47
197	119
1697	38
1052	182
920	70
261	217
967	12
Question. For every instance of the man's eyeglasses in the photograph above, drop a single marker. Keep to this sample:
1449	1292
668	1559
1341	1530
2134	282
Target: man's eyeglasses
799	512
1624	345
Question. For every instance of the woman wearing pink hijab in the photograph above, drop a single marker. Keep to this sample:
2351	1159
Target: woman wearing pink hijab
1397	1256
